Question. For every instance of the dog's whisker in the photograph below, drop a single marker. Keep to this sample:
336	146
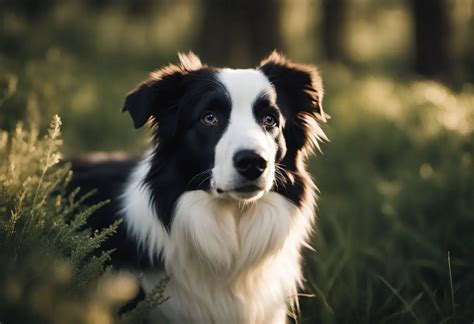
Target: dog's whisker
201	174
203	181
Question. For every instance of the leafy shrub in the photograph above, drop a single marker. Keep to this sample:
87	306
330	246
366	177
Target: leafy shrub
50	270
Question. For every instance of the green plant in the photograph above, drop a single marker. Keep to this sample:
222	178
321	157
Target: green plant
51	270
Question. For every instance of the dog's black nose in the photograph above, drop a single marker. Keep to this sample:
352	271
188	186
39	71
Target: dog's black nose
249	164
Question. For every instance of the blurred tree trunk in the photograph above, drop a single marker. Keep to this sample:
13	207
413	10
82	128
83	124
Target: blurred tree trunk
334	27
239	32
433	33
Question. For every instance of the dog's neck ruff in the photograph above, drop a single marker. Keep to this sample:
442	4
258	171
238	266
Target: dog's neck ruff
228	262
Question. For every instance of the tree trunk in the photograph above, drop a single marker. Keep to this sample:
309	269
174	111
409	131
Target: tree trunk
433	31
239	32
334	27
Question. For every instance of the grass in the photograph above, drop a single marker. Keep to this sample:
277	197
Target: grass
451	286
397	194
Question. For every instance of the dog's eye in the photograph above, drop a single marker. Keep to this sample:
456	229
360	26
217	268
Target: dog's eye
209	119
269	120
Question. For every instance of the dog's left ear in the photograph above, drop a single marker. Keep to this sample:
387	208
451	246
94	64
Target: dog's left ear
299	94
300	84
159	94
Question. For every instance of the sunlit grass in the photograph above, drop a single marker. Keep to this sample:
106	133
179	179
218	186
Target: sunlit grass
397	187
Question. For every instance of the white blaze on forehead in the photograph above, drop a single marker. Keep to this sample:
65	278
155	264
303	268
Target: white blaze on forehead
243	131
245	85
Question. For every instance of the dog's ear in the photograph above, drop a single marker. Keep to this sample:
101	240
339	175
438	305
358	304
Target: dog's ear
299	94
161	91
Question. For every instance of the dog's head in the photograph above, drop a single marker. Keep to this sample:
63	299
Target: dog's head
233	133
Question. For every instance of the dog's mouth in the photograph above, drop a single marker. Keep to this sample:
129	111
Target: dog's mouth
248	188
246	192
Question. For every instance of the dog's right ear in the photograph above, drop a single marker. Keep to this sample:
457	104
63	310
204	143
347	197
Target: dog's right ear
160	93
154	96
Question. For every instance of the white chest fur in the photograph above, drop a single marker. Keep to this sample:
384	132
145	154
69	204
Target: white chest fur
228	263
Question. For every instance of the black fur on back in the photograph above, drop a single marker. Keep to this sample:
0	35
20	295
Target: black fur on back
107	178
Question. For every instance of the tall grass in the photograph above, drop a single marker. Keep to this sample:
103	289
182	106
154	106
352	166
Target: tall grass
397	185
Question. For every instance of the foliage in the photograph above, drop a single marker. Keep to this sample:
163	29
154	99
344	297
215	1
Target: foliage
50	270
155	298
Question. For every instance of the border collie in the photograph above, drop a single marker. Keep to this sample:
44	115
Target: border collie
222	202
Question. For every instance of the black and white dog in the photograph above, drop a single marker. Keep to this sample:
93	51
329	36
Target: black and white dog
222	202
